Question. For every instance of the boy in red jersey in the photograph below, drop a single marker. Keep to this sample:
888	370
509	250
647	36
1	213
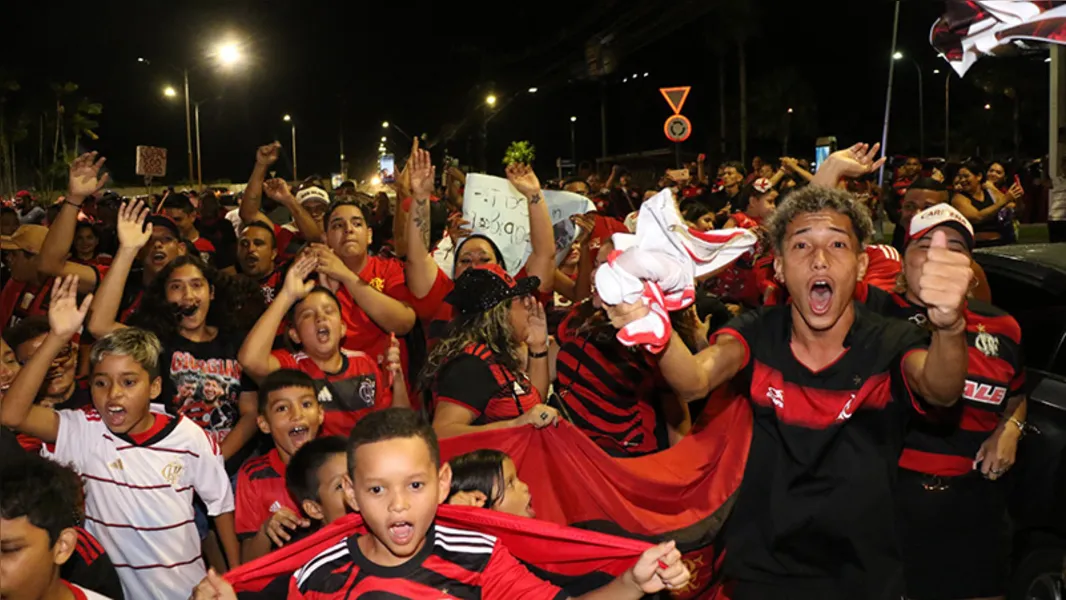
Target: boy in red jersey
351	383
290	414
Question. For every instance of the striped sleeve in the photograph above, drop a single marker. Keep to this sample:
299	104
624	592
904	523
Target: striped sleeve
505	577
209	477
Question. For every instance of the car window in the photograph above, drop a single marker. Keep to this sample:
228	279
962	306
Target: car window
1042	317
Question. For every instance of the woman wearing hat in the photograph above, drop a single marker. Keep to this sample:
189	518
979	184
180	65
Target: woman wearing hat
474	371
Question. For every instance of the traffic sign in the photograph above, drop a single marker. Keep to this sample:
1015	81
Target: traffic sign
675	97
677	128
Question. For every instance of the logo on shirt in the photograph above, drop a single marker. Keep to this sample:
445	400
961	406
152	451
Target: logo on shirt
366	392
275	507
117	465
986	342
172	472
377	283
776	396
984	393
918	319
846	412
324	396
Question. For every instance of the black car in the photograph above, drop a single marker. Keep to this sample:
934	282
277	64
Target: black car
1029	281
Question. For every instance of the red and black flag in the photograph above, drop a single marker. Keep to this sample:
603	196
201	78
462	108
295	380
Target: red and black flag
595	513
975	28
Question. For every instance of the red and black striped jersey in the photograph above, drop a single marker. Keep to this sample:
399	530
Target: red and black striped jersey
452	564
347	395
478	382
19	300
611	392
816	501
91	568
260	493
947	440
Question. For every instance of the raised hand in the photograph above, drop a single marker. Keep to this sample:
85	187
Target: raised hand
330	266
1016	191
537	338
132	232
277	189
83	176
64	315
268	154
421	171
853	162
524	180
297	285
623	314
660	567
393	360
945	280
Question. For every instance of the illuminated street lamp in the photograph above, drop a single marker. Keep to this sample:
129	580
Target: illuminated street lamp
532	90
169	92
384	124
573	139
490	100
229	54
288	119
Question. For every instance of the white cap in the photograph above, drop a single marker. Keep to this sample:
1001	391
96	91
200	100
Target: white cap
937	215
312	193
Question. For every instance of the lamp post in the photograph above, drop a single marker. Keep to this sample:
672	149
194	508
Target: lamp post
921	103
888	96
288	119
573	140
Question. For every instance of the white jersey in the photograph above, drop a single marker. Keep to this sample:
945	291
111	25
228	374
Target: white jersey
139	494
81	593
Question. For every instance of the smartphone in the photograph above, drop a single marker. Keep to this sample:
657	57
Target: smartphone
387	168
823	147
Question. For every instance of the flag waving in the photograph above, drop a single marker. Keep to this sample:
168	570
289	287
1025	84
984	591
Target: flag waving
975	28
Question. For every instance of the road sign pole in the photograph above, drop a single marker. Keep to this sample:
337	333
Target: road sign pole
677	155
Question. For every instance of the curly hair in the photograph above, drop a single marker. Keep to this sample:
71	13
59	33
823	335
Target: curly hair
48	494
813	199
491	327
236	305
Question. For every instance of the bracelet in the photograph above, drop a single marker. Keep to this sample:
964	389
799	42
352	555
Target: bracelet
533	354
1019	424
77	206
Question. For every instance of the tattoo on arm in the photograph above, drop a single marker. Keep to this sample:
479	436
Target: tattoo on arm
536	198
420	215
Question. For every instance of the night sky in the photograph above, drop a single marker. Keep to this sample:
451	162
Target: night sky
346	67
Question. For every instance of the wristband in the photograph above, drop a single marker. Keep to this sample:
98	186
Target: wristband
533	354
77	206
1019	424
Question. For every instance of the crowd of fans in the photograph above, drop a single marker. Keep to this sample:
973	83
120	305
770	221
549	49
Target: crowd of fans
187	380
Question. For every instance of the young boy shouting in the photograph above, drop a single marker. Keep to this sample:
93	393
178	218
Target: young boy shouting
290	414
140	468
315	478
396	483
352	383
40	505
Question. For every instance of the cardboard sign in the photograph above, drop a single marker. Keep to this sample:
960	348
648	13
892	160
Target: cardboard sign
151	161
678	175
498	211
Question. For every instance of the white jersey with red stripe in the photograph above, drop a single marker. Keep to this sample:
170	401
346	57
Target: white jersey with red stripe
139	497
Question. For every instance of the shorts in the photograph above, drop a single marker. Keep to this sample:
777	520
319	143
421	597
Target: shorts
955	538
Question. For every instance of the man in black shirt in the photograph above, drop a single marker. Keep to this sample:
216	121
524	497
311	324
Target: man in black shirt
831	385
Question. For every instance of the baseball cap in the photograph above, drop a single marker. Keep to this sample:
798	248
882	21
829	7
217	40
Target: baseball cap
762	185
158	220
938	215
312	193
482	287
27	237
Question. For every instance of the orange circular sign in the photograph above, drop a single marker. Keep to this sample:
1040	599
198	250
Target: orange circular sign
677	128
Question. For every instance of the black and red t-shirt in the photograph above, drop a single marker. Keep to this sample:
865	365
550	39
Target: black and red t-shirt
19	300
612	393
205	250
348	395
452	564
478	382
815	507
90	567
946	441
260	492
271	285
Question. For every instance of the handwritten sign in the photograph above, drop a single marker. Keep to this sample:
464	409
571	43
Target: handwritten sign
498	211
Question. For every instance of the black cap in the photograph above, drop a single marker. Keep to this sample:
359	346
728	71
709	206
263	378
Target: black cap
158	220
482	287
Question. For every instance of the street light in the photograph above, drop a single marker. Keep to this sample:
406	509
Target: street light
490	100
573	139
988	107
532	90
229	53
921	103
384	124
169	92
288	119
384	139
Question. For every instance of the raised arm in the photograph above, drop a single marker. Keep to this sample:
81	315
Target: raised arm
939	374
420	269
692	377
966	207
850	163
541	262
253	194
387	312
278	190
18	410
53	257
537	345
254	354
133	234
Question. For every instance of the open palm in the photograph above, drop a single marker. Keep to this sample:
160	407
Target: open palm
132	231
523	179
64	315
83	175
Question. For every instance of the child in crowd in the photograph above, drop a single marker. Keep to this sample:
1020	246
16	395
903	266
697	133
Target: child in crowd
315	478
180	209
290	414
396	482
352	383
40	506
141	468
488	479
